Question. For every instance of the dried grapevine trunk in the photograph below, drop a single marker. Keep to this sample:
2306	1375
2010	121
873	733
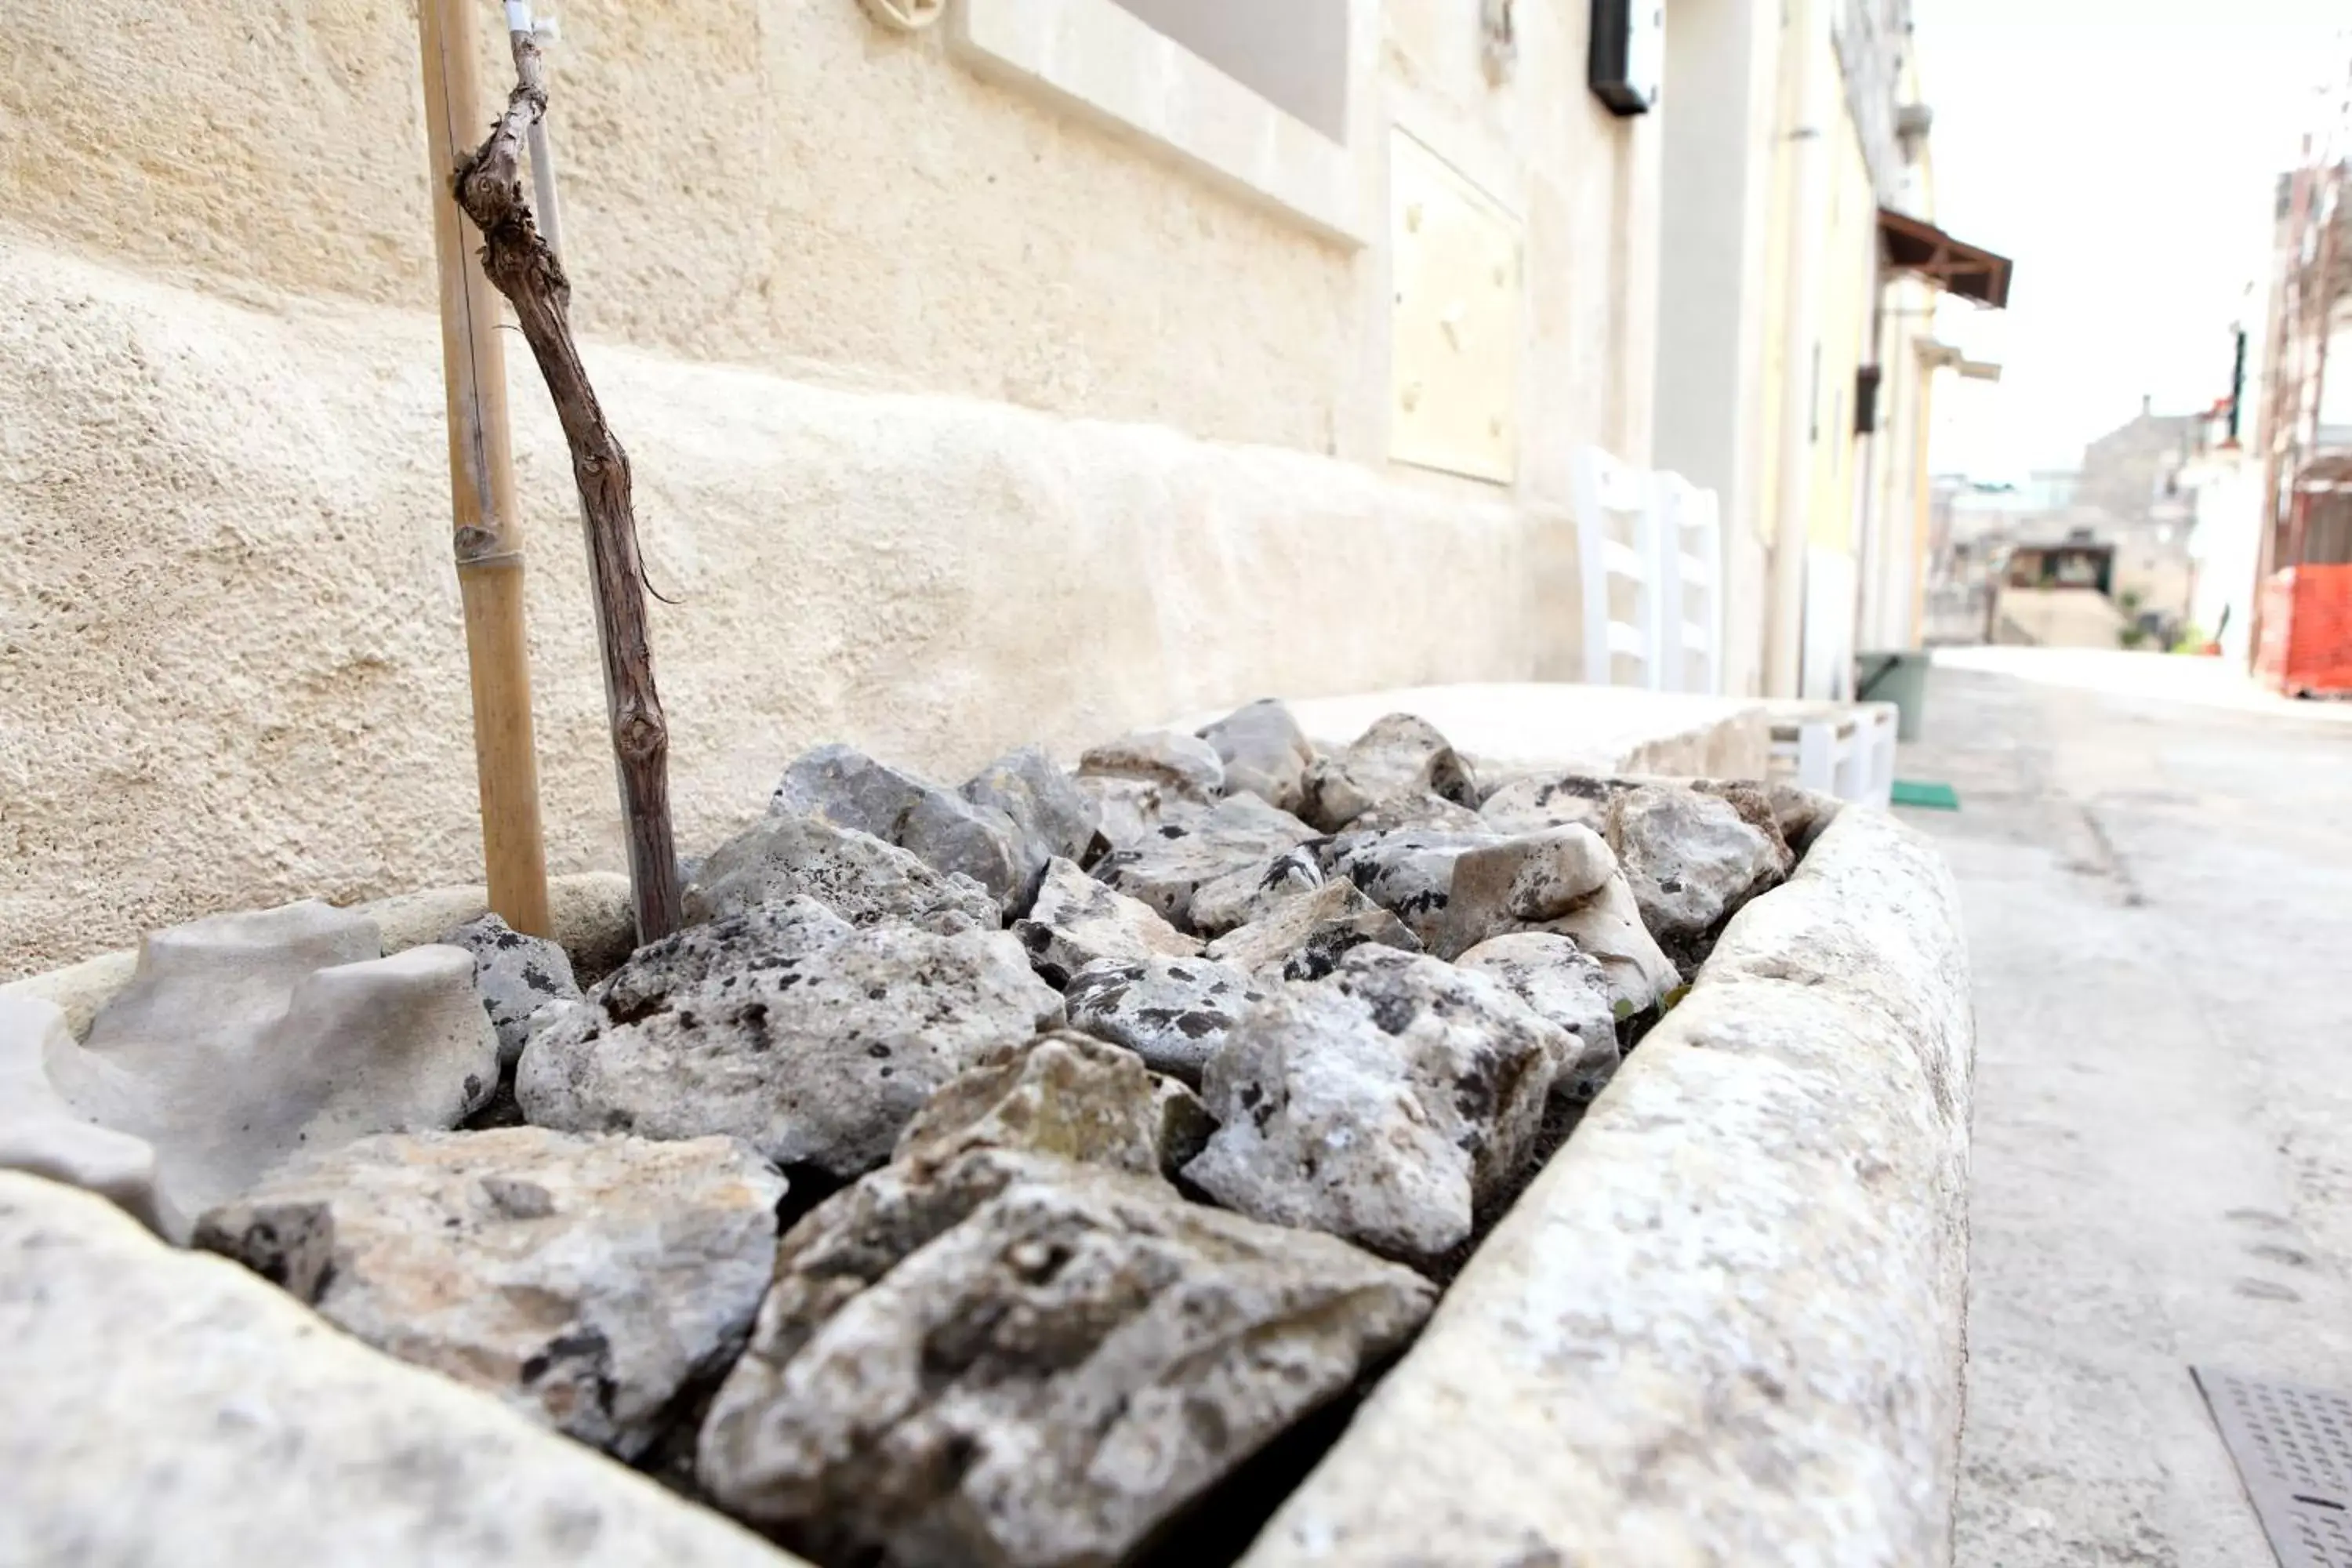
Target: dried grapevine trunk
490	189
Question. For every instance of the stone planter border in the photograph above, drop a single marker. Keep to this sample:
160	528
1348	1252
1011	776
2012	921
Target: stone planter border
1724	1323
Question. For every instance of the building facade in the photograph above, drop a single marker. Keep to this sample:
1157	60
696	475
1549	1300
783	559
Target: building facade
1801	274
999	371
2139	496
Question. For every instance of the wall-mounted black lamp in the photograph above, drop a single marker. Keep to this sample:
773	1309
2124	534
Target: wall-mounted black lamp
1629	54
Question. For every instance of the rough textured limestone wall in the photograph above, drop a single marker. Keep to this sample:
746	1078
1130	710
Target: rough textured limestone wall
945	500
235	667
780	183
753	181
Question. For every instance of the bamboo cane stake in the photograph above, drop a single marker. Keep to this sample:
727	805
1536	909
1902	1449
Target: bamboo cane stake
517	258
488	533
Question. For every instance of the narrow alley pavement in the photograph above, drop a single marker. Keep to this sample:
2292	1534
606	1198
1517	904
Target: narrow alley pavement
2157	867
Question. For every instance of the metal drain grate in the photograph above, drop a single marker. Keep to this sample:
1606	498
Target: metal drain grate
2293	1447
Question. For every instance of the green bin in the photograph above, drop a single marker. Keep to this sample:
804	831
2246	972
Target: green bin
1900	678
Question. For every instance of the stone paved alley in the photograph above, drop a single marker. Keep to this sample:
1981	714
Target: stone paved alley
2157	865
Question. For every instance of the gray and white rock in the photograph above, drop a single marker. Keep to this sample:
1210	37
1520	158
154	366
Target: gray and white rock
589	915
1531	804
1399	758
1305	937
1608	926
1130	809
1383	1104
1512	883
1184	764
812	1040
1171	1012
245	1038
1028	1362
1418	811
1050	815
844	787
1798	813
1239	897
1727	1322
1563	984
853	873
1408	872
42	1135
1264	753
175	1409
1756	801
953	832
1078	923
1691	860
1169	865
582	1281
516	974
1062	1094
960	837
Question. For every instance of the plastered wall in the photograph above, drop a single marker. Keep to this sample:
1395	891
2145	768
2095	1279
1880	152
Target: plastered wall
780	183
956	423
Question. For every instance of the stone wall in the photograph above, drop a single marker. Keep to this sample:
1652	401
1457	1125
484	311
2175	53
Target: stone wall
780	183
760	181
236	671
927	383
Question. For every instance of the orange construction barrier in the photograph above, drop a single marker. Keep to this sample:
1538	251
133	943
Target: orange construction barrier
2306	631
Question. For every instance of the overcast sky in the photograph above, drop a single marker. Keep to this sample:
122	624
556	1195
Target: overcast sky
2123	151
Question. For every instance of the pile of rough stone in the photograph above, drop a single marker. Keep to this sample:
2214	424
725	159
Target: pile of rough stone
1124	1115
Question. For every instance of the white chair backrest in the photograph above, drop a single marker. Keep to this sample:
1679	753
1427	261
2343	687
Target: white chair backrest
1688	534
1608	494
1847	752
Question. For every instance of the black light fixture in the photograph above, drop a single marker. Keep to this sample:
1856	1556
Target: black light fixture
1629	54
1865	399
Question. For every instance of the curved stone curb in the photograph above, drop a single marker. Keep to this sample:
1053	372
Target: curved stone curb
171	1409
1725	1324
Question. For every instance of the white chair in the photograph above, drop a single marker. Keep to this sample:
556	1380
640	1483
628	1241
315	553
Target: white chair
1835	750
1877	780
1607	491
1687	530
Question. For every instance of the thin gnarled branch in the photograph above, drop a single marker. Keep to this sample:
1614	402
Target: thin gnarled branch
490	190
